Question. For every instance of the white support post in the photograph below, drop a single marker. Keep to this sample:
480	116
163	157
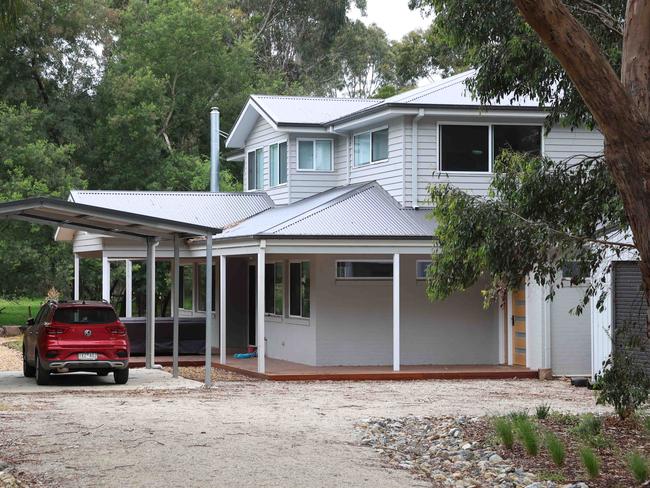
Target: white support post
150	338
222	309
128	276
396	313
208	310
76	277
176	273
106	278
261	344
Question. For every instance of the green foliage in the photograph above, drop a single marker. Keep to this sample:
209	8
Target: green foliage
590	461
542	411
556	449
527	434
16	312
638	466
535	205
519	415
623	384
589	426
503	428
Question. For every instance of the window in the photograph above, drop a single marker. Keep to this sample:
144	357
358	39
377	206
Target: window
464	148
278	162
274	289
421	269
256	169
370	147
185	282
299	289
200	306
519	138
315	154
85	315
364	270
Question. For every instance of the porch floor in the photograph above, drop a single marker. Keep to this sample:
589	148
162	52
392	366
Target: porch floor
279	370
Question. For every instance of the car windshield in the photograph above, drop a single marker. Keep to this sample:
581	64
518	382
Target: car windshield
85	315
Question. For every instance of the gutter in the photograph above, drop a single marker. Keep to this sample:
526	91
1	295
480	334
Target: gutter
414	158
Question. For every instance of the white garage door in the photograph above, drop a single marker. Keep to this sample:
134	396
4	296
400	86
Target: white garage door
570	334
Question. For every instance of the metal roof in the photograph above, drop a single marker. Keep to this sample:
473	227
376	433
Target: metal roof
98	220
198	208
354	211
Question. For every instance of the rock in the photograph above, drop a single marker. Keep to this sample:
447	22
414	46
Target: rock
3	465
466	446
495	458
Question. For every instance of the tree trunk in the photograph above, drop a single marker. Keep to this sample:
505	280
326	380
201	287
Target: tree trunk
621	107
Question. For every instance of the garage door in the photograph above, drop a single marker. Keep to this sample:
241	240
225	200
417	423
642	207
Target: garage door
570	334
629	306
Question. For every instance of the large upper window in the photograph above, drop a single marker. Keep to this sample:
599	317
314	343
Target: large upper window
278	163
519	138
364	270
315	154
299	289
464	148
274	289
256	169
370	147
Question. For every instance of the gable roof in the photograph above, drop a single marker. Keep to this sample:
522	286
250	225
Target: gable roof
200	208
362	210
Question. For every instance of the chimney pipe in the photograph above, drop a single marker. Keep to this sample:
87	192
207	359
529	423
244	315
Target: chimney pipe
214	149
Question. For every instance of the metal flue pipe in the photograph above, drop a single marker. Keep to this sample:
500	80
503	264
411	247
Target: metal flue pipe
214	149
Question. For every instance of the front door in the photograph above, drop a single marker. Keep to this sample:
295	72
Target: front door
519	326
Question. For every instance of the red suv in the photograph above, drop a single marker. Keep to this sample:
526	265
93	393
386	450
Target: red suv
75	336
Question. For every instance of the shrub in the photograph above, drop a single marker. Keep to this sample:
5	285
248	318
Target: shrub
520	415
542	411
638	466
590	461
555	449
503	427
528	436
589	426
622	384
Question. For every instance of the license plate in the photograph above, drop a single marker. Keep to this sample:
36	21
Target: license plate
85	356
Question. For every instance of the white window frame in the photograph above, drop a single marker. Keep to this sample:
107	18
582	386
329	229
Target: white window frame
259	148
277	143
313	141
417	262
370	131
284	286
490	126
366	278
297	261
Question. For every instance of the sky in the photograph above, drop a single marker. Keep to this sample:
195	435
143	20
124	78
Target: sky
393	16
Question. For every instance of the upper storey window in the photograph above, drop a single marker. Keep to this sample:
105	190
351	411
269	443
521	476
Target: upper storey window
473	148
278	162
315	154
256	169
371	147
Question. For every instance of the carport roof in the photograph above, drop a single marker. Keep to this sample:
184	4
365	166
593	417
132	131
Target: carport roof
98	220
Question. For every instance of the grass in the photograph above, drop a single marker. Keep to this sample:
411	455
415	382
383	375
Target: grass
590	461
528	435
555	449
638	466
589	430
542	411
503	428
15	312
16	345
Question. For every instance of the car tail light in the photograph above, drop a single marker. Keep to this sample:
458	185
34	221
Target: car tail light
117	329
53	330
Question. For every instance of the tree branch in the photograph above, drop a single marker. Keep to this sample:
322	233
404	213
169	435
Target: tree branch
635	70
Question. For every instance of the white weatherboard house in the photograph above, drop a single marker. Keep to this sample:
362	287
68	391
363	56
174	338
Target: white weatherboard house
321	260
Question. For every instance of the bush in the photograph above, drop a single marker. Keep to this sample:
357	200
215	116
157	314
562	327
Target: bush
622	384
590	461
555	449
520	415
638	467
528	436
542	411
503	428
589	430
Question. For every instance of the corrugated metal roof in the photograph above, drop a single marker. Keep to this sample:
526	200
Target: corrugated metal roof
200	208
309	110
360	210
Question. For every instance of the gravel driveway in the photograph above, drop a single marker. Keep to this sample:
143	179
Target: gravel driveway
263	434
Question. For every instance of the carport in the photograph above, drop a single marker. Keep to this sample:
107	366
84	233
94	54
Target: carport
149	230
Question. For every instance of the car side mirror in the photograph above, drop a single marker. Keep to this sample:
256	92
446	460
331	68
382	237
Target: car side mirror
30	321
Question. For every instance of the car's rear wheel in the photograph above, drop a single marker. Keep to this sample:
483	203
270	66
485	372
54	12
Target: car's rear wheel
42	374
102	372
121	376
28	371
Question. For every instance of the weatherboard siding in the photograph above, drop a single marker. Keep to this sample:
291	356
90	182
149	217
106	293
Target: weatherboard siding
562	143
304	183
262	136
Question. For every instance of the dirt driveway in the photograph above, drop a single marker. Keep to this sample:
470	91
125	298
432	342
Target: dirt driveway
262	434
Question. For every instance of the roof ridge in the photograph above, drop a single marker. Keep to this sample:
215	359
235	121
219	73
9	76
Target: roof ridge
441	84
308	97
171	192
